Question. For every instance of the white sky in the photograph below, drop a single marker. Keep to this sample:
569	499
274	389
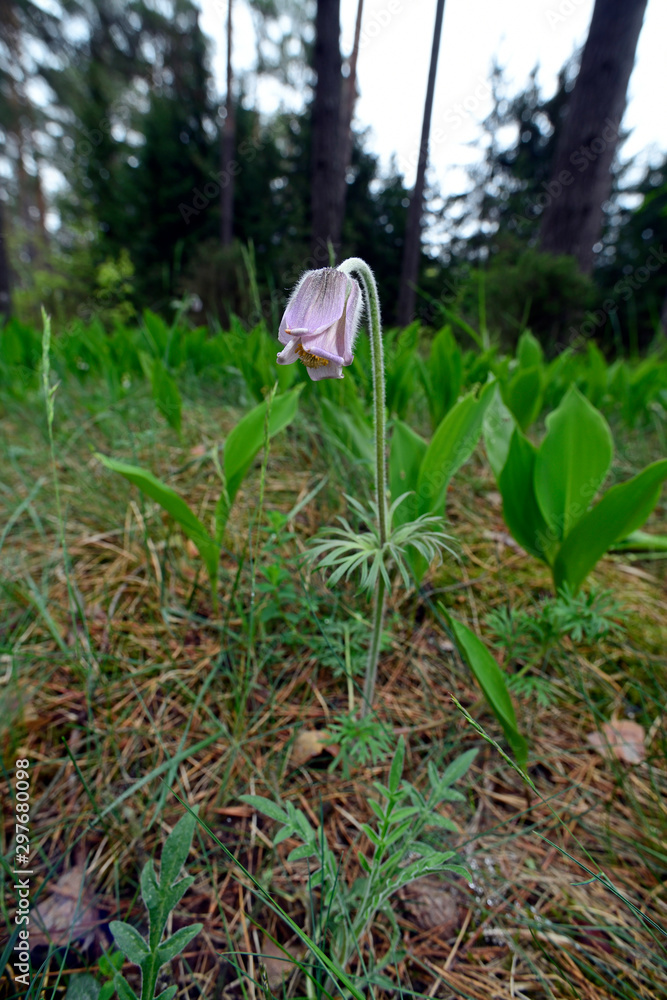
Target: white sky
394	61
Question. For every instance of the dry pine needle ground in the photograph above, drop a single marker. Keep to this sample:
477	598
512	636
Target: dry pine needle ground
119	672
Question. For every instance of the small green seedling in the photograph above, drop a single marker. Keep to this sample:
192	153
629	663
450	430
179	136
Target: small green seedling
160	898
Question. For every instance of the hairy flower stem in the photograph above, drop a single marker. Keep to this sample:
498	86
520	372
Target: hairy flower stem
377	368
374	651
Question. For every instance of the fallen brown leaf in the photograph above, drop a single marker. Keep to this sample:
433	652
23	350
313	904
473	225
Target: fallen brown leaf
432	903
277	961
623	739
310	743
68	914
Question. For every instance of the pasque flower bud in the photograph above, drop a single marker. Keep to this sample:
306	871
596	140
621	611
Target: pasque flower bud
321	322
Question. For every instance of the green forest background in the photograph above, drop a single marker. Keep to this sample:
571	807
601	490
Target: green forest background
126	111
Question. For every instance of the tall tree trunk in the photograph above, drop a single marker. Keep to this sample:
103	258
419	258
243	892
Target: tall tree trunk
581	179
41	208
227	148
412	246
5	274
326	191
348	100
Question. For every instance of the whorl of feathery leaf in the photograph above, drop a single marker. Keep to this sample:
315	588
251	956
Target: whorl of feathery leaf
344	551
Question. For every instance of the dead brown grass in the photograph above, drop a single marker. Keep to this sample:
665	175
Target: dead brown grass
133	685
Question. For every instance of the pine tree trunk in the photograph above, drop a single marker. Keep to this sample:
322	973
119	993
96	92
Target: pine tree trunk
227	148
581	180
5	274
413	232
326	190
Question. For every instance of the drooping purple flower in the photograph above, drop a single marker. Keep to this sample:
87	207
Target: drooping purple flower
320	323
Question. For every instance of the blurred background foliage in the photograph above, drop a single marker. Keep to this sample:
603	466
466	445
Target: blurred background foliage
112	144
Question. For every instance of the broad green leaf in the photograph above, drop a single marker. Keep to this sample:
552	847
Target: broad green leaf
491	679
522	514
130	941
443	375
572	462
371	834
150	892
529	350
457	769
406	452
523	395
167	994
123	988
350	430
622	510
452	444
401	370
397	833
398	815
266	806
641	541
282	834
176	849
146	362
303	851
256	357
111	962
157	332
498	427
177	943
430	865
83	987
222	509
396	770
442	822
596	376
377	809
174	505
247	438
166	395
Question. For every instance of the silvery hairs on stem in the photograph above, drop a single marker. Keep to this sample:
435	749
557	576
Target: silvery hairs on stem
319	328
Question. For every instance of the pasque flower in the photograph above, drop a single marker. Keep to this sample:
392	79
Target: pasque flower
320	323
319	327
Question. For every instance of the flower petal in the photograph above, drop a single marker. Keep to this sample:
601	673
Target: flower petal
288	356
352	318
331	370
316	303
328	344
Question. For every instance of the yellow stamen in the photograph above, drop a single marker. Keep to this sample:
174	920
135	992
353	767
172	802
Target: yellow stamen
310	360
